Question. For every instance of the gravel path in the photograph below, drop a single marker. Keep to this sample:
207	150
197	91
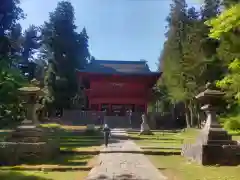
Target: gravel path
123	165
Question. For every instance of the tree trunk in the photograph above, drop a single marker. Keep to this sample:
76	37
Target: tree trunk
173	112
199	116
187	115
198	120
191	116
193	113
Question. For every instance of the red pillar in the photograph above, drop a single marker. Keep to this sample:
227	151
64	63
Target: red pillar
110	109
145	107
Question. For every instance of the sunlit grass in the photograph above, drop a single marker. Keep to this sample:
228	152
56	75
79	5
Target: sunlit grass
36	175
74	165
176	167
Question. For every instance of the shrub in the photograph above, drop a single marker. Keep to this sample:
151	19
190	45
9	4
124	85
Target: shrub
232	123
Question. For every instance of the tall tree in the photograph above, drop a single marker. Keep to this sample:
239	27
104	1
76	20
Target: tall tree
68	50
15	38
172	57
84	55
10	13
226	29
30	44
209	10
229	3
31	39
10	77
184	61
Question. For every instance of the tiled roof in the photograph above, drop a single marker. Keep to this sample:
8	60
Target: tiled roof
117	67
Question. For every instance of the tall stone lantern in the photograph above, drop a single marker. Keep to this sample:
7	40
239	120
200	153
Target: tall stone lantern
29	141
30	97
213	145
29	130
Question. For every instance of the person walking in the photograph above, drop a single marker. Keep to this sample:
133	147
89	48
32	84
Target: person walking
107	132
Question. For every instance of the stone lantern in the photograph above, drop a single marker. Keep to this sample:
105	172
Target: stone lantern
145	129
30	97
29	141
29	130
213	145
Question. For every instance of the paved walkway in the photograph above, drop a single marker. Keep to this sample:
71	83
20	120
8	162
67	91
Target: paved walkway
124	166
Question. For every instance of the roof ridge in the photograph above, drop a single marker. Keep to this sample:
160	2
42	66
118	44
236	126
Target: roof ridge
120	61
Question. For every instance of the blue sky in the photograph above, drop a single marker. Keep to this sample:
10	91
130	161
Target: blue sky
118	29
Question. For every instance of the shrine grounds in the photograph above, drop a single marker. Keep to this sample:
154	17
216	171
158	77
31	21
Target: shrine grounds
168	159
79	153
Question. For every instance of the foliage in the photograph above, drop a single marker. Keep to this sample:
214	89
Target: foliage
59	49
161	99
84	55
66	50
10	105
10	76
226	28
232	123
10	14
189	59
226	22
31	42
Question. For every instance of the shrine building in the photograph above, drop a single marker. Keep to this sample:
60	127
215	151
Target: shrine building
117	86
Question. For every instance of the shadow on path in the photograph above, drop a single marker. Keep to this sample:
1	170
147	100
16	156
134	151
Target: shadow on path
119	177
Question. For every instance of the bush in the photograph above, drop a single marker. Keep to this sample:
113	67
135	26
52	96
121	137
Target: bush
232	123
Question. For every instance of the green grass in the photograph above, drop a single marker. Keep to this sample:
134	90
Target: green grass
36	175
80	141
163	141
176	167
71	139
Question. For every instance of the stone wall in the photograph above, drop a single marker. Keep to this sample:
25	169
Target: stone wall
78	117
155	120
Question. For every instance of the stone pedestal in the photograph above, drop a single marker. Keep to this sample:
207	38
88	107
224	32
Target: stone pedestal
145	129
29	142
213	145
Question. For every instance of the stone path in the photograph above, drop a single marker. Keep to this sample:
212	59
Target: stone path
123	166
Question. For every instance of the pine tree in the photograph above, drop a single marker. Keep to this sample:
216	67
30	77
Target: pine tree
31	39
84	54
229	3
172	58
67	49
10	77
210	9
10	13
